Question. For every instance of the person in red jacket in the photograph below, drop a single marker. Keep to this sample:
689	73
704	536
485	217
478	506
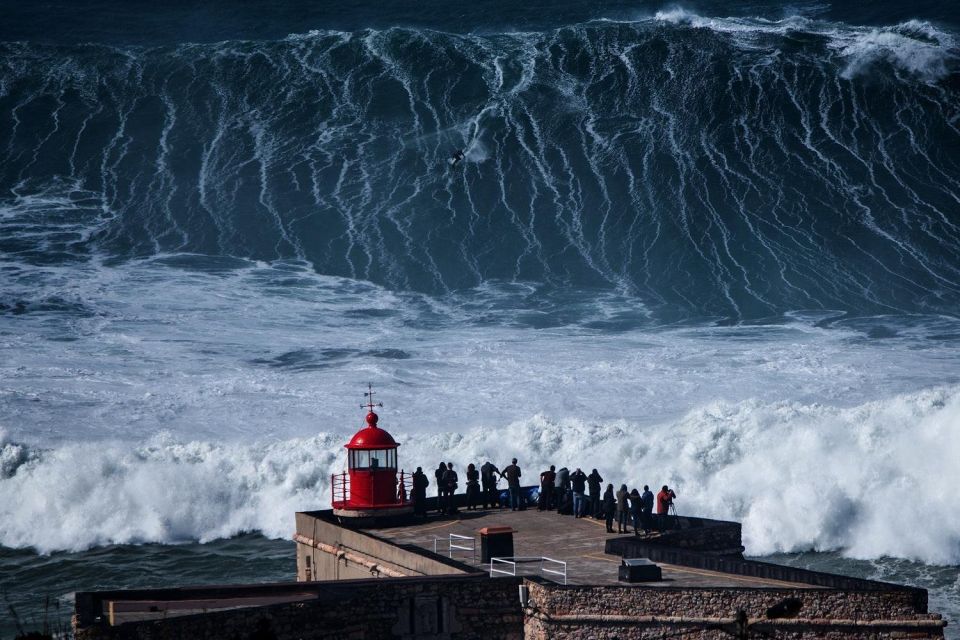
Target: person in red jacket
664	500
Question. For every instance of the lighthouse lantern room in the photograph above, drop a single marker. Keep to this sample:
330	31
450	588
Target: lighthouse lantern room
369	487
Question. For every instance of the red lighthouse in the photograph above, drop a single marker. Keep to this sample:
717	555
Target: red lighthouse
369	488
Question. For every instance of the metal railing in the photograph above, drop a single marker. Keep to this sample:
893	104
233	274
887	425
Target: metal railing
340	490
508	566
340	487
458	542
561	569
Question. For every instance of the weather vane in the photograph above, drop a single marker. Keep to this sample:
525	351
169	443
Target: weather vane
370	404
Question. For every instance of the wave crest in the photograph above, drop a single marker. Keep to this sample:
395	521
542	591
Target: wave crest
916	47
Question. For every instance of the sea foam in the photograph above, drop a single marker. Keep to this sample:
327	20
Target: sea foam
916	47
873	480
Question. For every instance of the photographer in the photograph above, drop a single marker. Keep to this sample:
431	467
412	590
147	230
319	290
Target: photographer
664	500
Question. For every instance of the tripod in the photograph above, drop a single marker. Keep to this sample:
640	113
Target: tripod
672	511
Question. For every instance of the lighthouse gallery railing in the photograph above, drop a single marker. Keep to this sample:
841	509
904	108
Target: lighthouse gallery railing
340	488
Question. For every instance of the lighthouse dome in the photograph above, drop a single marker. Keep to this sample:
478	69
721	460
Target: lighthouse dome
372	436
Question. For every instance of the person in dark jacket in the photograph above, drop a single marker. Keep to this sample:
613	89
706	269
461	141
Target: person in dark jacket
636	507
565	506
595	483
623	510
578	481
489	475
547	478
441	487
450	481
419	493
512	474
609	506
473	487
646	516
561	486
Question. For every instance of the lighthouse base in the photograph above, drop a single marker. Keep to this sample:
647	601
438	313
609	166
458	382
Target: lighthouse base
370	514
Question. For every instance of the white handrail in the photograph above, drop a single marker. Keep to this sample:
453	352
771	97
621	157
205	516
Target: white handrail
451	546
513	561
554	571
513	565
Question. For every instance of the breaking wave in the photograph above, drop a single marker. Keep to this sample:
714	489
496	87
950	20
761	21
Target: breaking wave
873	480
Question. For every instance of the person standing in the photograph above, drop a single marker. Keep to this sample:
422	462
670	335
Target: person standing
646	516
473	487
450	480
609	507
578	481
489	474
622	509
560	486
512	474
441	487
595	482
664	500
419	493
636	508
547	478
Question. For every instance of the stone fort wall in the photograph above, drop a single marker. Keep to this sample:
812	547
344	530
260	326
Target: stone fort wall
438	608
644	613
474	608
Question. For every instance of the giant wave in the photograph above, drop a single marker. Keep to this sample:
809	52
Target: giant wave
716	166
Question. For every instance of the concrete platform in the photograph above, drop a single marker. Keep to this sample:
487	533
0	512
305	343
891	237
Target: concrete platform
578	542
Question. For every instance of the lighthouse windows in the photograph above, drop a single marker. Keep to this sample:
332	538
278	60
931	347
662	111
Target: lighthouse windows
383	459
359	459
373	459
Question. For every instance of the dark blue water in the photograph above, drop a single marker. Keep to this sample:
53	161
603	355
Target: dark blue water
715	243
760	161
31	601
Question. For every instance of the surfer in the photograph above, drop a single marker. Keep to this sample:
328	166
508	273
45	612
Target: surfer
456	157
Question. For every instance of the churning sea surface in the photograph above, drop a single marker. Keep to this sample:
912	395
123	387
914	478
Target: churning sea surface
710	245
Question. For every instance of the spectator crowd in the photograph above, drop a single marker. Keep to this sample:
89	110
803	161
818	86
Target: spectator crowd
576	494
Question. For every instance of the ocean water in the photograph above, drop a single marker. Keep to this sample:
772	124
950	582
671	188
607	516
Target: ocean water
713	245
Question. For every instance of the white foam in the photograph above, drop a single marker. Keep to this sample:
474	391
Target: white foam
875	480
787	414
916	47
159	348
731	25
83	495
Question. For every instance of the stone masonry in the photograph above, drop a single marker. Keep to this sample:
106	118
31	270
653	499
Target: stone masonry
641	613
